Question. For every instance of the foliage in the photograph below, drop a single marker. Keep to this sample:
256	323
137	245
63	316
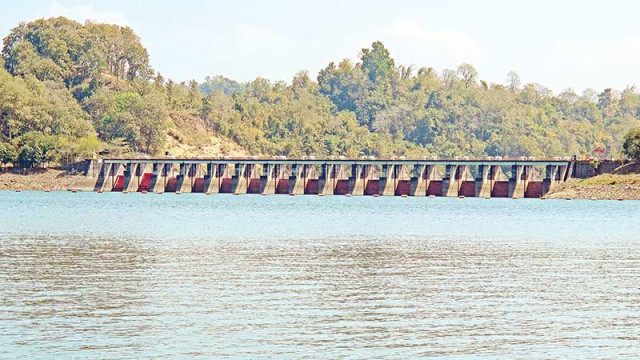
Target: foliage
138	117
62	49
36	149
71	90
631	145
73	150
222	84
8	154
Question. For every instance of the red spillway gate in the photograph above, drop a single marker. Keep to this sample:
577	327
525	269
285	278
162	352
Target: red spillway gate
435	188
403	187
225	185
145	182
534	189
372	188
198	185
342	187
172	185
312	187
500	189
119	183
467	189
254	186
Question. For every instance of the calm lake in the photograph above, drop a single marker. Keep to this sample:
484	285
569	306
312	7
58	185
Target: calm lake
97	276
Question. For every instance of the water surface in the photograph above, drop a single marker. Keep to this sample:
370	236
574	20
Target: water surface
97	276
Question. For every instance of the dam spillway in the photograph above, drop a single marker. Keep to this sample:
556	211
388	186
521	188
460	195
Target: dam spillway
514	178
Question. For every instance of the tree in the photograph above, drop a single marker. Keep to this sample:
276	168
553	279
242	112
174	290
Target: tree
345	85
68	90
450	78
220	83
194	95
608	101
8	154
513	82
468	73
36	149
27	104
125	56
140	119
377	63
631	145
59	49
398	121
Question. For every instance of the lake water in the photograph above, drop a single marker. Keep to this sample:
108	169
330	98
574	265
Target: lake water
97	276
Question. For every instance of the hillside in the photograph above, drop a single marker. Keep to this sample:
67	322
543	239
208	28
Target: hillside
70	91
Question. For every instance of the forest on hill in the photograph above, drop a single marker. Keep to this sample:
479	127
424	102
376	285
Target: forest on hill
69	91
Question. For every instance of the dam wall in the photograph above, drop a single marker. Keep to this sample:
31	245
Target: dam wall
490	177
586	169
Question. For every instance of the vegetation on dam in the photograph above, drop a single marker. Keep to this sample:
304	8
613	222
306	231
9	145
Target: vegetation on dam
70	90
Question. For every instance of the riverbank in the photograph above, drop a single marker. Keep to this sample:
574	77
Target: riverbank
623	183
53	179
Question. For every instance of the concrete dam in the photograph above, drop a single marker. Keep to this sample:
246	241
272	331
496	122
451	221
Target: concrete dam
489	177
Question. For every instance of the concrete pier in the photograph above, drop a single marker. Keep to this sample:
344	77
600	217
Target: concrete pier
243	175
211	180
450	185
298	179
420	183
268	181
184	180
458	181
357	177
327	180
484	180
357	180
387	180
158	178
517	183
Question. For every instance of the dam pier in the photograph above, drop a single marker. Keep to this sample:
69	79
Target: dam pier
511	178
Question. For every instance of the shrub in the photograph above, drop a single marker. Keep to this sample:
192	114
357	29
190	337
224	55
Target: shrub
631	146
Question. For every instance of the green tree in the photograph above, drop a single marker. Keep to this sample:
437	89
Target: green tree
631	145
125	56
140	119
377	63
8	154
36	149
220	83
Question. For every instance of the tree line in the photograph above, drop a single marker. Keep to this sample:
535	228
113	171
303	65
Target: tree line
70	90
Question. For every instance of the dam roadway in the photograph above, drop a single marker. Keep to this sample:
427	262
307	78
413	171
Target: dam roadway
485	177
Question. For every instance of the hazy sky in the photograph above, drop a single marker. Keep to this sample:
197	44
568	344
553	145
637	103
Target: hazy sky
560	44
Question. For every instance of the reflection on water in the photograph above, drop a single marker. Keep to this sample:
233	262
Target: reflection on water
357	296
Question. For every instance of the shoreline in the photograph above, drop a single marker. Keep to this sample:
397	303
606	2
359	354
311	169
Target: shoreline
52	179
601	187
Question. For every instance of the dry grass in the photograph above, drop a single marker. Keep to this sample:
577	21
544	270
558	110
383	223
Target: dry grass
611	179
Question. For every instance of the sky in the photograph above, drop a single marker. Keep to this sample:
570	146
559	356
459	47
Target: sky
559	44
